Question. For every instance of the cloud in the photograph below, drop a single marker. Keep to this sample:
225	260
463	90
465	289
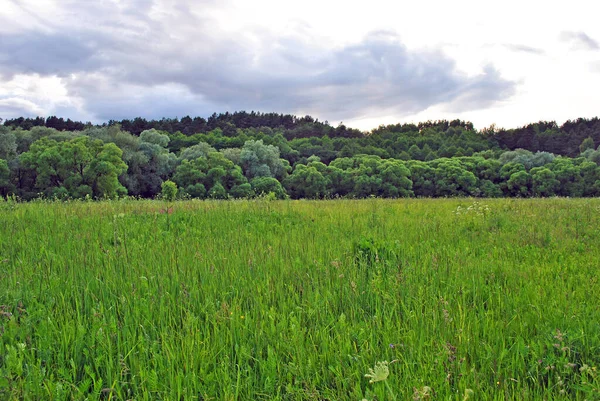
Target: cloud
13	106
36	95
523	48
118	100
579	40
46	54
482	92
156	60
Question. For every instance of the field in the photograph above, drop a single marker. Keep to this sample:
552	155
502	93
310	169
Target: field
298	300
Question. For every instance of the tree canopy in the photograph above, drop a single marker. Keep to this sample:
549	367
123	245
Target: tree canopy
241	155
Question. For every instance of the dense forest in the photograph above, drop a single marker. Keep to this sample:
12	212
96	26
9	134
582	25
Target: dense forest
242	155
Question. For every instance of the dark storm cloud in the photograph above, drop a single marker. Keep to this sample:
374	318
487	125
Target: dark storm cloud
579	40
174	61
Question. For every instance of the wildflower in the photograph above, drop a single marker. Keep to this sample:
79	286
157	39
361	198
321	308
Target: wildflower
559	335
379	373
423	393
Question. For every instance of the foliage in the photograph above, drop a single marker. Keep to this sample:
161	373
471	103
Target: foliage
213	176
8	143
260	160
310	159
306	182
268	185
75	168
5	184
169	190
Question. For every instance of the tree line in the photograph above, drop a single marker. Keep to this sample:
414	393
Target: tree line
242	155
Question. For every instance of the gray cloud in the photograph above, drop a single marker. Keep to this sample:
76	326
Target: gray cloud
51	54
524	49
155	62
579	40
477	94
11	106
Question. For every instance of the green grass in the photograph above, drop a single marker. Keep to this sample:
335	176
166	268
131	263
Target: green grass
292	300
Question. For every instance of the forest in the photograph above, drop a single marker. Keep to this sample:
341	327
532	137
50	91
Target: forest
244	155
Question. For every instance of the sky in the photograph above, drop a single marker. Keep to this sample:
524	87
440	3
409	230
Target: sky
363	63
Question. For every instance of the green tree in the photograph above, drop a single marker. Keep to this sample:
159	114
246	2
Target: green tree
267	185
569	175
201	149
8	143
588	143
45	160
395	179
365	185
422	176
78	167
488	169
146	178
488	189
233	154
528	159
306	182
339	182
590	174
169	190
544	182
416	153
519	184
196	176
217	191
5	185
369	175
260	160
104	171
506	172
451	179
154	137
149	161
242	191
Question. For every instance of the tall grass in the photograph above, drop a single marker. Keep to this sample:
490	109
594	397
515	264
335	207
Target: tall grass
251	300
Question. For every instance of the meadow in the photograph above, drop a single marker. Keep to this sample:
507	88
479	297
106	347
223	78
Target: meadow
445	299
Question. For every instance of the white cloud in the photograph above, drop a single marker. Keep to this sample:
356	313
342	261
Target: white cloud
579	40
34	95
171	58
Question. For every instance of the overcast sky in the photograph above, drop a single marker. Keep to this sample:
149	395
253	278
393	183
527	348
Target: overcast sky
364	63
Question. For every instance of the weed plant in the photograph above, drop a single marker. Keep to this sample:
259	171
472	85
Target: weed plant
298	300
